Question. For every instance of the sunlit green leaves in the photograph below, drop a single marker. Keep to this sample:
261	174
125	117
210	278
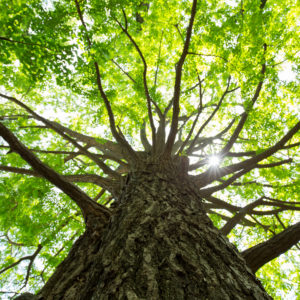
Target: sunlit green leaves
47	62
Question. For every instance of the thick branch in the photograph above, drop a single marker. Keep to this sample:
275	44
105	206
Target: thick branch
209	176
222	204
90	178
144	139
86	204
240	154
244	222
53	126
226	183
239	216
262	4
262	253
109	147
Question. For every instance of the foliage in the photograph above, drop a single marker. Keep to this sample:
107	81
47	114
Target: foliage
47	58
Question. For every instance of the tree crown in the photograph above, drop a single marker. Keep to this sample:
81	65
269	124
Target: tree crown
94	90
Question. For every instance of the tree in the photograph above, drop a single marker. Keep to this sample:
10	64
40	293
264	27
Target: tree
151	131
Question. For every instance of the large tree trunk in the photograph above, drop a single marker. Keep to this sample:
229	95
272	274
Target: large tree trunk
159	244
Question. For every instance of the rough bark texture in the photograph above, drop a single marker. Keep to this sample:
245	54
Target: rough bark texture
159	244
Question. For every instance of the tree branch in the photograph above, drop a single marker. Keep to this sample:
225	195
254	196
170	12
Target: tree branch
176	96
108	148
200	108
147	94
34	255
210	117
126	73
89	178
203	142
209	176
119	138
252	153
53	126
144	139
222	204
208	55
83	23
12	242
86	204
158	59
265	227
244	222
241	173
29	257
242	121
239	216
23	43
275	164
262	253
72	154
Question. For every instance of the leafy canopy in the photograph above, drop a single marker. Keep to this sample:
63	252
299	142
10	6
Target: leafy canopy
238	87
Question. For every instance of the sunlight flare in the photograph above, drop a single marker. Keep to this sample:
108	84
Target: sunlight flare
214	160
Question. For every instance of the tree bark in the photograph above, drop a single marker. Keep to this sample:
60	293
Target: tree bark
262	253
159	244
